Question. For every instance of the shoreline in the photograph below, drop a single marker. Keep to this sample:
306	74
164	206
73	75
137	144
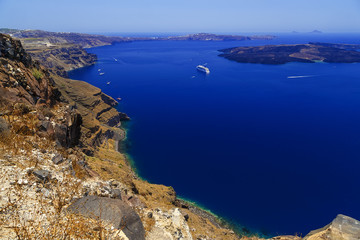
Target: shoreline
193	206
181	202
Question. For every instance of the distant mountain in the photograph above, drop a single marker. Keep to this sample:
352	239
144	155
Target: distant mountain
316	31
8	30
216	37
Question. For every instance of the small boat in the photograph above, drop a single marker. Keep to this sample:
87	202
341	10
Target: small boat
101	74
202	68
115	59
119	99
99	69
108	83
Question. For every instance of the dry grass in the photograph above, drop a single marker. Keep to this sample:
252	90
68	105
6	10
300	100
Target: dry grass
36	210
21	138
46	218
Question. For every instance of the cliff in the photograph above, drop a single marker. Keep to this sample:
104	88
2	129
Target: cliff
60	58
307	53
21	79
56	38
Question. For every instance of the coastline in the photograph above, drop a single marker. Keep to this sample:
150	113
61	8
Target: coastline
181	202
220	222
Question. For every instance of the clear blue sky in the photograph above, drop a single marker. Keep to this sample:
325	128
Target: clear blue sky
182	15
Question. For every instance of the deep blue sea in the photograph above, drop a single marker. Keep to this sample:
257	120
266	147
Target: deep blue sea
278	155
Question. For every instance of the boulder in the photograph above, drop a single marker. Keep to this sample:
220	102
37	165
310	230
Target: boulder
116	193
43	175
68	133
115	211
57	159
341	228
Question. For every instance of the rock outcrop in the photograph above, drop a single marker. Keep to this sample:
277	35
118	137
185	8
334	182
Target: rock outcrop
341	228
169	224
115	211
61	58
100	120
21	79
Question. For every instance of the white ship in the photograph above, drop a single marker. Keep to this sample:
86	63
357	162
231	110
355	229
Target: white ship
202	68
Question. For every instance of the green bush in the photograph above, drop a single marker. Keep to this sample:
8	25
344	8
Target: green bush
37	74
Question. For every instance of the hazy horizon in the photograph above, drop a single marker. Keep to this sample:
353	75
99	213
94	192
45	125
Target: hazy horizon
160	16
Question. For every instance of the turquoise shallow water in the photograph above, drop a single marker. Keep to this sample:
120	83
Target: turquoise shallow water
279	155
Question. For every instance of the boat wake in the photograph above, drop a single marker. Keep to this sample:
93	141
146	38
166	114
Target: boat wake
302	76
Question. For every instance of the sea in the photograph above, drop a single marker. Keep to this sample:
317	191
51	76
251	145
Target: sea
272	149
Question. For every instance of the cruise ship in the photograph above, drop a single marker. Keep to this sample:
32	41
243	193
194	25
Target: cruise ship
202	68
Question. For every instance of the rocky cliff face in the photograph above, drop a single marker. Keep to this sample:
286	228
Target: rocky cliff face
55	38
100	120
21	79
341	228
61	58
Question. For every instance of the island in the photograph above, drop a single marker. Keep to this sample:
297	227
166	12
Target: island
307	53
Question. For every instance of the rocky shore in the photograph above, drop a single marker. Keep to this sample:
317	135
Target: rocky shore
63	178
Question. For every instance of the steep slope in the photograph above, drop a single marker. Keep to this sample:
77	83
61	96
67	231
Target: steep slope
60	58
21	79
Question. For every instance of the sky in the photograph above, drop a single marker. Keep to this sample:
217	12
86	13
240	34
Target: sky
218	16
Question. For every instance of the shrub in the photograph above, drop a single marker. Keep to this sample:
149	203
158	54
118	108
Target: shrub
37	74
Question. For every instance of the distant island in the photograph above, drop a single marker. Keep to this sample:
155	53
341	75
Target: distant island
216	37
308	53
316	31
